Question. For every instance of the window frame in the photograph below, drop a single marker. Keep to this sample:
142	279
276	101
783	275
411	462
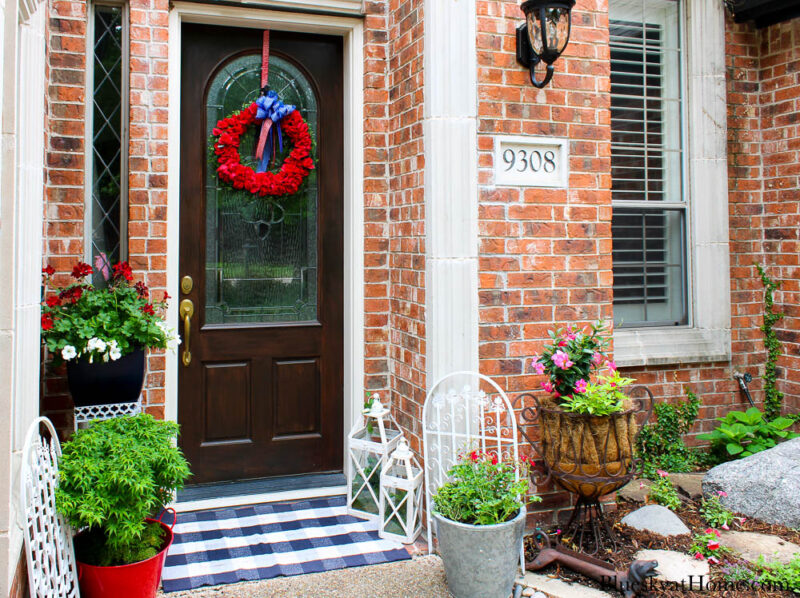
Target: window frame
707	336
667	205
88	203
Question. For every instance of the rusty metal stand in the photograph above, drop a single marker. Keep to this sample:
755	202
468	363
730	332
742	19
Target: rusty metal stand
588	522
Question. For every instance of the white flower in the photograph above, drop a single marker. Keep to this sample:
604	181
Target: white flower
114	353
170	335
96	344
68	352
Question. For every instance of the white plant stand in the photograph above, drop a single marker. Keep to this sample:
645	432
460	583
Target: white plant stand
84	415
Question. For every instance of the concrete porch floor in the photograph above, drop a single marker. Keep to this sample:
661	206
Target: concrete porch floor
422	576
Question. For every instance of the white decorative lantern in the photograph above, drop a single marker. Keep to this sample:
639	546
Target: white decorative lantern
368	447
401	496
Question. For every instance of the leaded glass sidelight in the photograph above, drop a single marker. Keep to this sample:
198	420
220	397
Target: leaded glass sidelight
261	254
106	201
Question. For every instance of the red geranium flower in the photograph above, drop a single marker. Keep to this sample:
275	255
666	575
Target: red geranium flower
124	270
166	296
81	270
148	309
142	289
47	322
48	270
53	300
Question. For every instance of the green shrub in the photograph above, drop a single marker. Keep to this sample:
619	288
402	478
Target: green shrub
663	492
660	444
113	475
482	491
744	433
780	575
714	513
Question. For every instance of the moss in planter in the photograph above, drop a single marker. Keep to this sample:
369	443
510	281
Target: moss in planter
92	547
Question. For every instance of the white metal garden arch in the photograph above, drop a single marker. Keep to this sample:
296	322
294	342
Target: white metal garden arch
48	539
464	411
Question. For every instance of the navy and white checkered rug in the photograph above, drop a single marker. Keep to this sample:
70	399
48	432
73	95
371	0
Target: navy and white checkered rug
262	541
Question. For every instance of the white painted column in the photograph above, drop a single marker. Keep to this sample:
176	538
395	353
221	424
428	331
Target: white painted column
21	222
451	187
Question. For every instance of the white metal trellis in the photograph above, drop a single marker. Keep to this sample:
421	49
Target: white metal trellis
48	539
464	411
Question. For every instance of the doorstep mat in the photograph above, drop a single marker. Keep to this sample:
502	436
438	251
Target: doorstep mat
222	546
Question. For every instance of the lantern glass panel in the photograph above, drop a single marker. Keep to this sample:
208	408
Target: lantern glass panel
556	28
366	482
396	521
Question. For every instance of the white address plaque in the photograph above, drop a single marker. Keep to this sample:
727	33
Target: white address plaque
531	161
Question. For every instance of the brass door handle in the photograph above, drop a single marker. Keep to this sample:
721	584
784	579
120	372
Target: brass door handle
186	311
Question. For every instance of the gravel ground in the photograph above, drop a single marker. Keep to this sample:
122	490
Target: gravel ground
420	577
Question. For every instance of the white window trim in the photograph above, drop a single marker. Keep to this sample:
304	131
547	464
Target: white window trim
708	338
88	200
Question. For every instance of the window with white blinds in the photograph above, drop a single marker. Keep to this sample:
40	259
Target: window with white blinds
649	209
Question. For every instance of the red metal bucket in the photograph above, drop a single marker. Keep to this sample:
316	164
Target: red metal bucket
137	580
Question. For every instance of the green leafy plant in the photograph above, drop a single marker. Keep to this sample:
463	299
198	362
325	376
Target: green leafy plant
714	513
482	490
744	433
663	492
603	397
786	576
113	475
660	445
773	398
734	573
80	321
707	545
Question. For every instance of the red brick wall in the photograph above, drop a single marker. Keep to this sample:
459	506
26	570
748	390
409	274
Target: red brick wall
545	253
64	159
406	227
147	162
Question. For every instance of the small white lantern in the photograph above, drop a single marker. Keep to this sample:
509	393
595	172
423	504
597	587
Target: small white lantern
368	447
401	496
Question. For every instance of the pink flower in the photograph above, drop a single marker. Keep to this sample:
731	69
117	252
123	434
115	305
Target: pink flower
561	359
698	556
569	335
548	386
597	359
662	473
713	560
562	343
558	531
611	365
581	385
713	544
722	494
725	526
538	367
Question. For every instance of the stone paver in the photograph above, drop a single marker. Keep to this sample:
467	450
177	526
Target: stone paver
422	576
556	588
690	484
751	545
675	566
635	491
657	519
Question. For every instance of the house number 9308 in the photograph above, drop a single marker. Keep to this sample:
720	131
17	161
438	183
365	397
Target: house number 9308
533	160
523	161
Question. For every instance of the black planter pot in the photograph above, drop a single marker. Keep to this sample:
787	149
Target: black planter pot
106	382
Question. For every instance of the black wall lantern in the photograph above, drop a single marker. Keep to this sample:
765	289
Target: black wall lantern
544	35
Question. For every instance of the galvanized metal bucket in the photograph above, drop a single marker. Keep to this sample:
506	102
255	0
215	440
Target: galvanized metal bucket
480	561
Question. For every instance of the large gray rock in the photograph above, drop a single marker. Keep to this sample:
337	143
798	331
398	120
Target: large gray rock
657	519
676	566
765	485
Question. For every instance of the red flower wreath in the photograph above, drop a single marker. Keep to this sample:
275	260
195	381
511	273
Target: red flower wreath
294	169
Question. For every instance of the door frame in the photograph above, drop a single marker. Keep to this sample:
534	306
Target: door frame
352	31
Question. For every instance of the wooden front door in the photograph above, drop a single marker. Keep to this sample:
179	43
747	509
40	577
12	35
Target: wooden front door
263	392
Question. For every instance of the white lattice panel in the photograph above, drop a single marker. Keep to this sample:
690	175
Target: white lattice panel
52	572
84	415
